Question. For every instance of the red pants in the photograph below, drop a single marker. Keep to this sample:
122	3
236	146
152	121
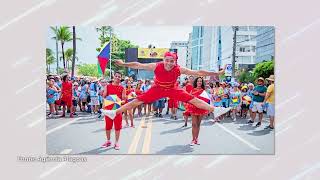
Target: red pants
157	92
172	103
66	101
117	122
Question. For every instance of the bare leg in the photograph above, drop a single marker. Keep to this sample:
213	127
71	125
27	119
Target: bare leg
260	117
201	104
126	118
131	117
108	132
272	121
199	118
51	108
185	120
134	110
253	116
149	109
63	110
194	127
129	105
117	136
139	110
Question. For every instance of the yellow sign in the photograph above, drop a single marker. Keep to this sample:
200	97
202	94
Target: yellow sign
154	53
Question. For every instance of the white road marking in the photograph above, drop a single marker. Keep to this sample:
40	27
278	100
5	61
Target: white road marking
239	138
61	126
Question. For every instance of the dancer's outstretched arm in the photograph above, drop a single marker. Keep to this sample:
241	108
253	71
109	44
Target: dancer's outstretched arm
187	71
136	65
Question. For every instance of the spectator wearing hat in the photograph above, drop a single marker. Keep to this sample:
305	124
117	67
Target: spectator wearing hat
83	97
235	95
269	100
245	104
75	97
259	92
250	94
94	99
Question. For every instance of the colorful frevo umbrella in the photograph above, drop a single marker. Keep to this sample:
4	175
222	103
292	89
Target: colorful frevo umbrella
112	102
131	96
246	100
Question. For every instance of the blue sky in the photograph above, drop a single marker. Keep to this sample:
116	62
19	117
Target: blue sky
160	36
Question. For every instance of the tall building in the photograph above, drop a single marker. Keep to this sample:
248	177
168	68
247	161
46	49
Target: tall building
265	43
181	47
245	46
189	52
204	55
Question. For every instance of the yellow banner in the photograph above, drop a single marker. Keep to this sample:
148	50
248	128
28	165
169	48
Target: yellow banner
154	53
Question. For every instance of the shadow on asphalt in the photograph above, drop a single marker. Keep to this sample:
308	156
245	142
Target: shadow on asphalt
179	129
260	132
86	122
97	151
176	149
99	130
247	127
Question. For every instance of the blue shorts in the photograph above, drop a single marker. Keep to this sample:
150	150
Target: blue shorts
159	104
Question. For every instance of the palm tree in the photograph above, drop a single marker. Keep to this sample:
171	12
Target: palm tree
105	32
68	54
74	50
49	58
63	35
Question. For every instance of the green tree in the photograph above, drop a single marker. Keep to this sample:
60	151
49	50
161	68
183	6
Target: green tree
246	76
264	69
49	58
118	46
89	70
68	54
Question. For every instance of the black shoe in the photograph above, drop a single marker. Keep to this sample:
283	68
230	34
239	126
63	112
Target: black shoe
167	112
269	127
258	124
250	122
185	125
160	116
156	114
175	117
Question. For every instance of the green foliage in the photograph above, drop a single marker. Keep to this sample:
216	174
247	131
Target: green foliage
63	34
246	76
264	69
118	46
89	70
49	59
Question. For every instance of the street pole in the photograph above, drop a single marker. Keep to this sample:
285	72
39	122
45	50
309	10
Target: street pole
235	28
57	53
74	50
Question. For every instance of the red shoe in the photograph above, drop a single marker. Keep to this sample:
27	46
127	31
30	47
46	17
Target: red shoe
117	146
71	115
193	142
106	144
63	115
196	142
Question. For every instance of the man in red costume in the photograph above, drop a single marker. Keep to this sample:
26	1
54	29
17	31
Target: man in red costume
166	74
114	88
